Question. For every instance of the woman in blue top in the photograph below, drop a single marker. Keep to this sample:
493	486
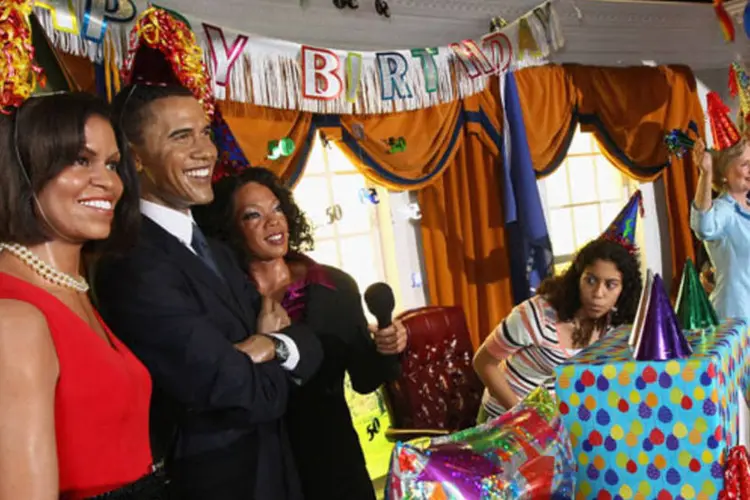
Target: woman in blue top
724	223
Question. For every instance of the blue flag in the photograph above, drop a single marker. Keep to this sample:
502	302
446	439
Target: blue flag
529	246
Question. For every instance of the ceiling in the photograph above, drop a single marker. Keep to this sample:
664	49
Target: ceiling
596	32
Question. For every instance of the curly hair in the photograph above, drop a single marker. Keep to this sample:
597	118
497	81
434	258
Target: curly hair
217	218
564	294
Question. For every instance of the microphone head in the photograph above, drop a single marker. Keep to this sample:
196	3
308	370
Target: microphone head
380	301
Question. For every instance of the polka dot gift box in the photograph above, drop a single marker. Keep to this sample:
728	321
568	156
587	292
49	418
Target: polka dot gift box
654	429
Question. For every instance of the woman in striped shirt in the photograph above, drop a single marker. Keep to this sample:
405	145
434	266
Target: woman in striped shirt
600	290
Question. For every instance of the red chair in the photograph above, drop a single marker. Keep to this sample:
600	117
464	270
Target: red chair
438	391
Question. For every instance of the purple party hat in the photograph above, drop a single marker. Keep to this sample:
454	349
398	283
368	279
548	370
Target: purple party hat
661	338
232	159
622	229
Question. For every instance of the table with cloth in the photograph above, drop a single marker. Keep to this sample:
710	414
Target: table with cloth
655	429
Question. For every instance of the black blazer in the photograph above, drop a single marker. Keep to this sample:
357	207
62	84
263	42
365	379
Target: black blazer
326	448
182	320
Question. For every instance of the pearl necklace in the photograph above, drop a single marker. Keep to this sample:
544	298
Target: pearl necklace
43	269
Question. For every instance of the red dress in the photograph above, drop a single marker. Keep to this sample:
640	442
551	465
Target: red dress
101	400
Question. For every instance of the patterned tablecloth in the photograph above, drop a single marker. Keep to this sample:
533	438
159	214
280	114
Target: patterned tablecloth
651	429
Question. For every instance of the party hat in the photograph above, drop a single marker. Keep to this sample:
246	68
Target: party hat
18	71
661	337
622	228
723	130
164	51
694	310
231	158
739	86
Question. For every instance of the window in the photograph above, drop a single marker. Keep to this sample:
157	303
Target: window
582	197
348	228
355	235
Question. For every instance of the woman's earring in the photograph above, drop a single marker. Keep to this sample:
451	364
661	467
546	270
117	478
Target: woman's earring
138	166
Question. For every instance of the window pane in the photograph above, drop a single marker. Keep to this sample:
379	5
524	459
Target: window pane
581	143
356	216
557	193
609	212
338	161
609	180
562	267
325	253
582	179
561	227
586	220
316	161
358	255
313	197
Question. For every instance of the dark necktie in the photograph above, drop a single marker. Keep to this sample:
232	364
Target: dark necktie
200	245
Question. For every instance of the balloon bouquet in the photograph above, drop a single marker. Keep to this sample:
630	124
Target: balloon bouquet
523	454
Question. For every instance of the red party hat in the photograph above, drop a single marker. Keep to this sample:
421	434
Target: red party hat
723	130
164	51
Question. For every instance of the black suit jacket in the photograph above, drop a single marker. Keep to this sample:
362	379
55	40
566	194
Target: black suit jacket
182	321
326	447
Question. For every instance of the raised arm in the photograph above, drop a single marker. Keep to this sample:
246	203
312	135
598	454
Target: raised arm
28	376
707	219
510	336
154	311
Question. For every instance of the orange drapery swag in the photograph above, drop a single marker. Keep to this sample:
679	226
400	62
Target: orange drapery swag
628	110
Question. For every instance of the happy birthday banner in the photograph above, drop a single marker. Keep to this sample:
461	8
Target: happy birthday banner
287	75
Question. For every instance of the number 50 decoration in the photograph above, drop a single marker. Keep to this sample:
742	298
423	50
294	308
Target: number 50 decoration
334	213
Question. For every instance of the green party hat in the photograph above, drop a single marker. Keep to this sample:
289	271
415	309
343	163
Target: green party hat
694	309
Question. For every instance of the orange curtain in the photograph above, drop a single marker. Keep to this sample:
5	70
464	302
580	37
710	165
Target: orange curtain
255	127
463	239
628	110
463	229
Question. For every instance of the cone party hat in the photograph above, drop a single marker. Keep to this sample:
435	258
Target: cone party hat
622	228
739	86
723	130
164	51
661	337
694	309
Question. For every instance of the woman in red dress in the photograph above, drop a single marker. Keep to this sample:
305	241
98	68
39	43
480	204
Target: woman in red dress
73	400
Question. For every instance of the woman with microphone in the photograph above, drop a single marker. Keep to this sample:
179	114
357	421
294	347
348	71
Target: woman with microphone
256	214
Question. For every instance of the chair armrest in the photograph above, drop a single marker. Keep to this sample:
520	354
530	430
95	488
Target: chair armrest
393	435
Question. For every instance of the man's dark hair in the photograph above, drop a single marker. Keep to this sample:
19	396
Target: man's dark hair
48	134
131	106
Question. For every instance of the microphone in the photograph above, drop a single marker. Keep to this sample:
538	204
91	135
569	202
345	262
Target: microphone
381	303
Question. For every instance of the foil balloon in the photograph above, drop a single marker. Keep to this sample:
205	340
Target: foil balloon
736	475
523	454
277	149
694	309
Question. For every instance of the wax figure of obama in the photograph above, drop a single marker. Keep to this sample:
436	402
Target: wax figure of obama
222	358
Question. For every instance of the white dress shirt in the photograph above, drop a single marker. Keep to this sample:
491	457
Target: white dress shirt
180	225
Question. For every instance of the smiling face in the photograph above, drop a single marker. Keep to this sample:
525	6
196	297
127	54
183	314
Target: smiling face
258	214
79	203
600	285
177	154
737	173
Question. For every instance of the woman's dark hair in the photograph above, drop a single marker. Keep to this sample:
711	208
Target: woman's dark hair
564	294
47	134
131	106
217	219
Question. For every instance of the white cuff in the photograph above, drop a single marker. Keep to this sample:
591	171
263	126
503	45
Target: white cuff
293	360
